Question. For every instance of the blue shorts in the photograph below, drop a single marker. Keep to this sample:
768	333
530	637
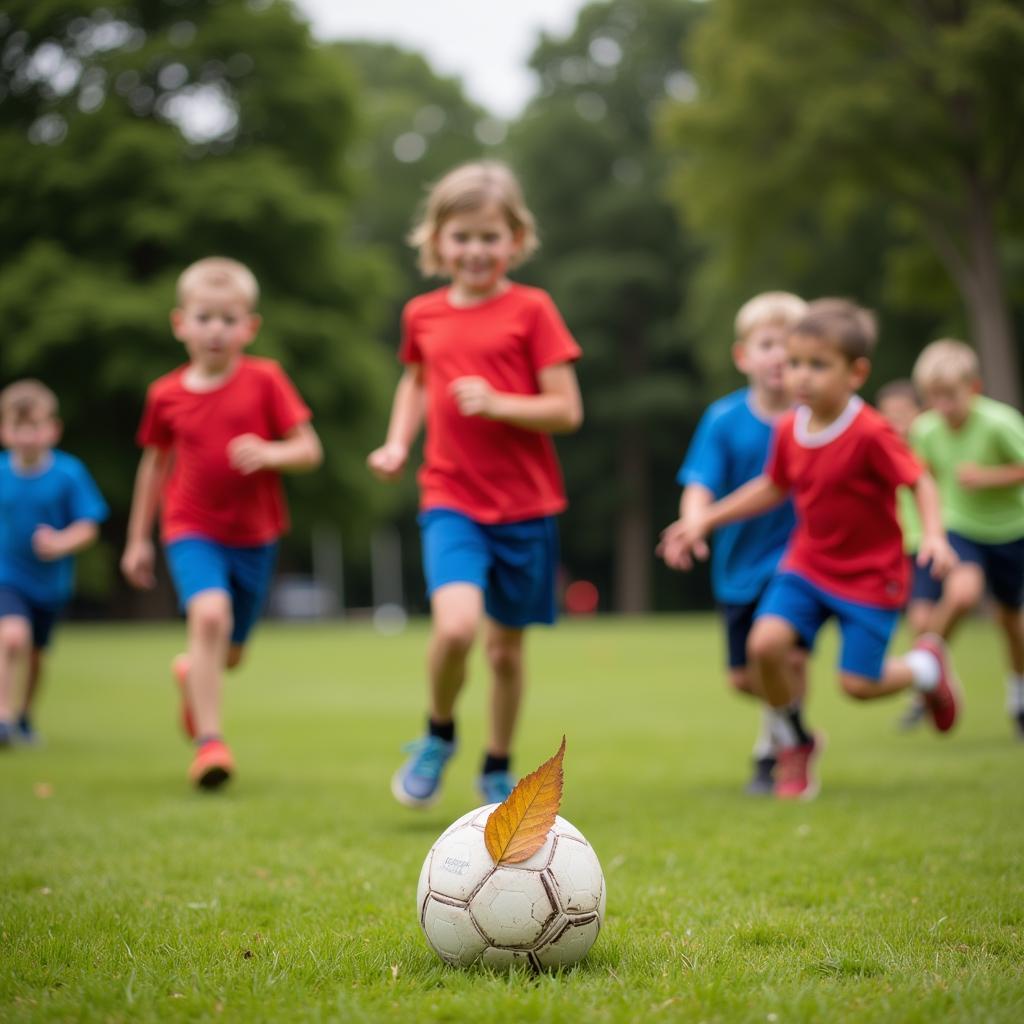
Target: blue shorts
739	620
865	629
1002	564
40	618
923	585
514	564
198	564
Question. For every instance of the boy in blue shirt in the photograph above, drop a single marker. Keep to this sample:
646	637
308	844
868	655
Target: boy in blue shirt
729	448
49	510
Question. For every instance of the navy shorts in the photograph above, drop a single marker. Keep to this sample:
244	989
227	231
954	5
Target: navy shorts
923	585
14	603
739	620
865	629
1002	564
514	564
197	564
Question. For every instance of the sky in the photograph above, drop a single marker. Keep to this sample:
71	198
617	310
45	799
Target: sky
485	44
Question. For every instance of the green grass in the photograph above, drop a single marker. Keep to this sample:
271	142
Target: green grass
124	896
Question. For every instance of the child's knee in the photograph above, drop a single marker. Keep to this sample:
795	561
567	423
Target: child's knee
964	587
505	654
456	632
769	641
15	636
857	687
210	615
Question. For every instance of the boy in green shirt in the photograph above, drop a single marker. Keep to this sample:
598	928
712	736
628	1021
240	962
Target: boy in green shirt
974	447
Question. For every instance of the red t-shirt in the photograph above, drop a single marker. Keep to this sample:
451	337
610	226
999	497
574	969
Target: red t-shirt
492	472
205	495
847	539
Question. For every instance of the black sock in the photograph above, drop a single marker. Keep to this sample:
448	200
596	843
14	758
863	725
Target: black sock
442	730
494	763
796	720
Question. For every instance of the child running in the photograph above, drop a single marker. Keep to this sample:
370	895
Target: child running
50	509
975	447
216	434
843	464
728	449
488	365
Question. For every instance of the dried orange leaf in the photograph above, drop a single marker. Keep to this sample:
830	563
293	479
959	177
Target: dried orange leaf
516	829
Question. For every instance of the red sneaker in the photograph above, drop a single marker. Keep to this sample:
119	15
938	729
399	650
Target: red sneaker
179	669
945	702
212	766
794	771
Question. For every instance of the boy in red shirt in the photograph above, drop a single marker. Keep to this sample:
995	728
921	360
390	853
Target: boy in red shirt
842	463
488	366
216	434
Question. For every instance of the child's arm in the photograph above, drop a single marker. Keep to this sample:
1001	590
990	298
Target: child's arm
299	451
558	409
977	478
934	546
408	410
694	503
139	558
50	544
680	540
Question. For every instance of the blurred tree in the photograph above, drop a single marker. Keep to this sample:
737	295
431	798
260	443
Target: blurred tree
832	112
138	136
617	262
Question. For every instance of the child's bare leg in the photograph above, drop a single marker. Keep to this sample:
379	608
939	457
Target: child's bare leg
32	679
771	648
209	628
896	677
505	655
15	643
1011	621
962	589
742	681
919	616
457	609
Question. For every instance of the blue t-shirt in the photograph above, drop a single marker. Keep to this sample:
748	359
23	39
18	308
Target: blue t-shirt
60	493
729	448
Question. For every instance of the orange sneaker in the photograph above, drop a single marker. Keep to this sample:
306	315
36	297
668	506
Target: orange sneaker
179	669
795	778
212	766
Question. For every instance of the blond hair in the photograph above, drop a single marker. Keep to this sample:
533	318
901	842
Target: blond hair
219	272
840	322
27	398
466	189
778	308
946	361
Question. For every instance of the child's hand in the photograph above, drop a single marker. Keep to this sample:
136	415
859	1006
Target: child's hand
681	542
48	543
249	453
972	477
937	550
474	396
137	564
388	461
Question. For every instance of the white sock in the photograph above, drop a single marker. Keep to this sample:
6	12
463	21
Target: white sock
782	728
1015	693
925	669
764	745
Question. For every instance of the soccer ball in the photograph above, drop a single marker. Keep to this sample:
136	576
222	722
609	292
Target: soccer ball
545	911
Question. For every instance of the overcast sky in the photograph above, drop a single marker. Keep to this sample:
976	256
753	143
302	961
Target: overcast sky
484	44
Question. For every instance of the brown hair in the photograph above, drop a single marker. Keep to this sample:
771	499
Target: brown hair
26	398
903	387
219	272
840	322
465	189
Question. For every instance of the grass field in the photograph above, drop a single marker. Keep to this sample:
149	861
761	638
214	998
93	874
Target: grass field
898	895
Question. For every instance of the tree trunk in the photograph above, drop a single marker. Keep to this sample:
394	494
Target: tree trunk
988	312
634	547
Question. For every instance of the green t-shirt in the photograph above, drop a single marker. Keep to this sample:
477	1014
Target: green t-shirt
992	435
910	519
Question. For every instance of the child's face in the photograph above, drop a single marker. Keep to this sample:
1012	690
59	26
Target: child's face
29	437
900	411
820	376
952	401
761	355
215	325
475	249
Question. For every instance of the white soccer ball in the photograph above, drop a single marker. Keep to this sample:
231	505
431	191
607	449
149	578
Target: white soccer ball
545	911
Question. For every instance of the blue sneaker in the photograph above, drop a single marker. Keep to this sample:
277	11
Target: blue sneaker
6	734
418	782
495	787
